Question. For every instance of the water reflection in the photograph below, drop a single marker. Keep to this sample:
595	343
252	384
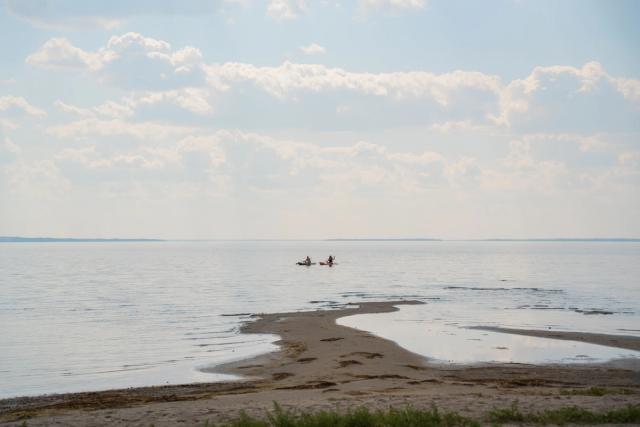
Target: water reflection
449	342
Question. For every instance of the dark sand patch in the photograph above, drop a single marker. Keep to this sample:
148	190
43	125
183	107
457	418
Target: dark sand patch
345	363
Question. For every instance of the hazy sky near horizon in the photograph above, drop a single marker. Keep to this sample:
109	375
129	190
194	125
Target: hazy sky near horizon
320	119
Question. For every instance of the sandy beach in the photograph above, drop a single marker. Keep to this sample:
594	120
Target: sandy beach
322	365
303	213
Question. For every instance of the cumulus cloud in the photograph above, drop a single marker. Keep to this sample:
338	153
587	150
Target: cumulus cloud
114	110
134	42
585	143
166	163
145	158
553	99
92	127
393	4
240	161
630	88
562	90
40	179
456	126
285	9
10	103
559	97
313	49
131	61
59	53
193	100
250	161
108	109
289	77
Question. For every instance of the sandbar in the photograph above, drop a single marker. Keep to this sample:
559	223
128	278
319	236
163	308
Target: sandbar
322	365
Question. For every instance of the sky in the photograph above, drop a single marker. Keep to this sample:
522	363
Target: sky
300	119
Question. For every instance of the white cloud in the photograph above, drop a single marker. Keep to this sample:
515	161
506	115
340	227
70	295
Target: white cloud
285	9
255	162
456	126
59	53
108	109
247	161
72	109
585	143
519	170
39	179
184	60
290	77
91	127
393	4
158	73
123	161
313	49
630	88
6	124
519	155
630	159
517	96
144	158
194	100
131	61
343	109
114	110
190	99
136	43
10	102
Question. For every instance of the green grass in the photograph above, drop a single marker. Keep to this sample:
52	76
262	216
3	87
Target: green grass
595	391
410	417
362	417
571	414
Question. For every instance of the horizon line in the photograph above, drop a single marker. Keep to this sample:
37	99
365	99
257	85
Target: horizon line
40	239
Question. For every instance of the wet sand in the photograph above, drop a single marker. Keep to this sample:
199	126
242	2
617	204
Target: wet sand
322	365
627	342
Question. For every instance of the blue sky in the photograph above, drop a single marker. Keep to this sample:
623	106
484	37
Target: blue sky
301	119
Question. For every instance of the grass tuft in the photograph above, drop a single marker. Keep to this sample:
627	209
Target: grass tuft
411	417
360	417
572	414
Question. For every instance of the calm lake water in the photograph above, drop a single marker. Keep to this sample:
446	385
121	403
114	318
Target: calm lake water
90	316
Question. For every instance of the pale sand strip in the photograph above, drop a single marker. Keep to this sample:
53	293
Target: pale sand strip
322	365
628	342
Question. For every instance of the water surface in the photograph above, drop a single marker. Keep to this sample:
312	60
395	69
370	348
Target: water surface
88	316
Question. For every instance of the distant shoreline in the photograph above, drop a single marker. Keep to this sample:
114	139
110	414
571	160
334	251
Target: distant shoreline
20	239
10	239
560	239
386	240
